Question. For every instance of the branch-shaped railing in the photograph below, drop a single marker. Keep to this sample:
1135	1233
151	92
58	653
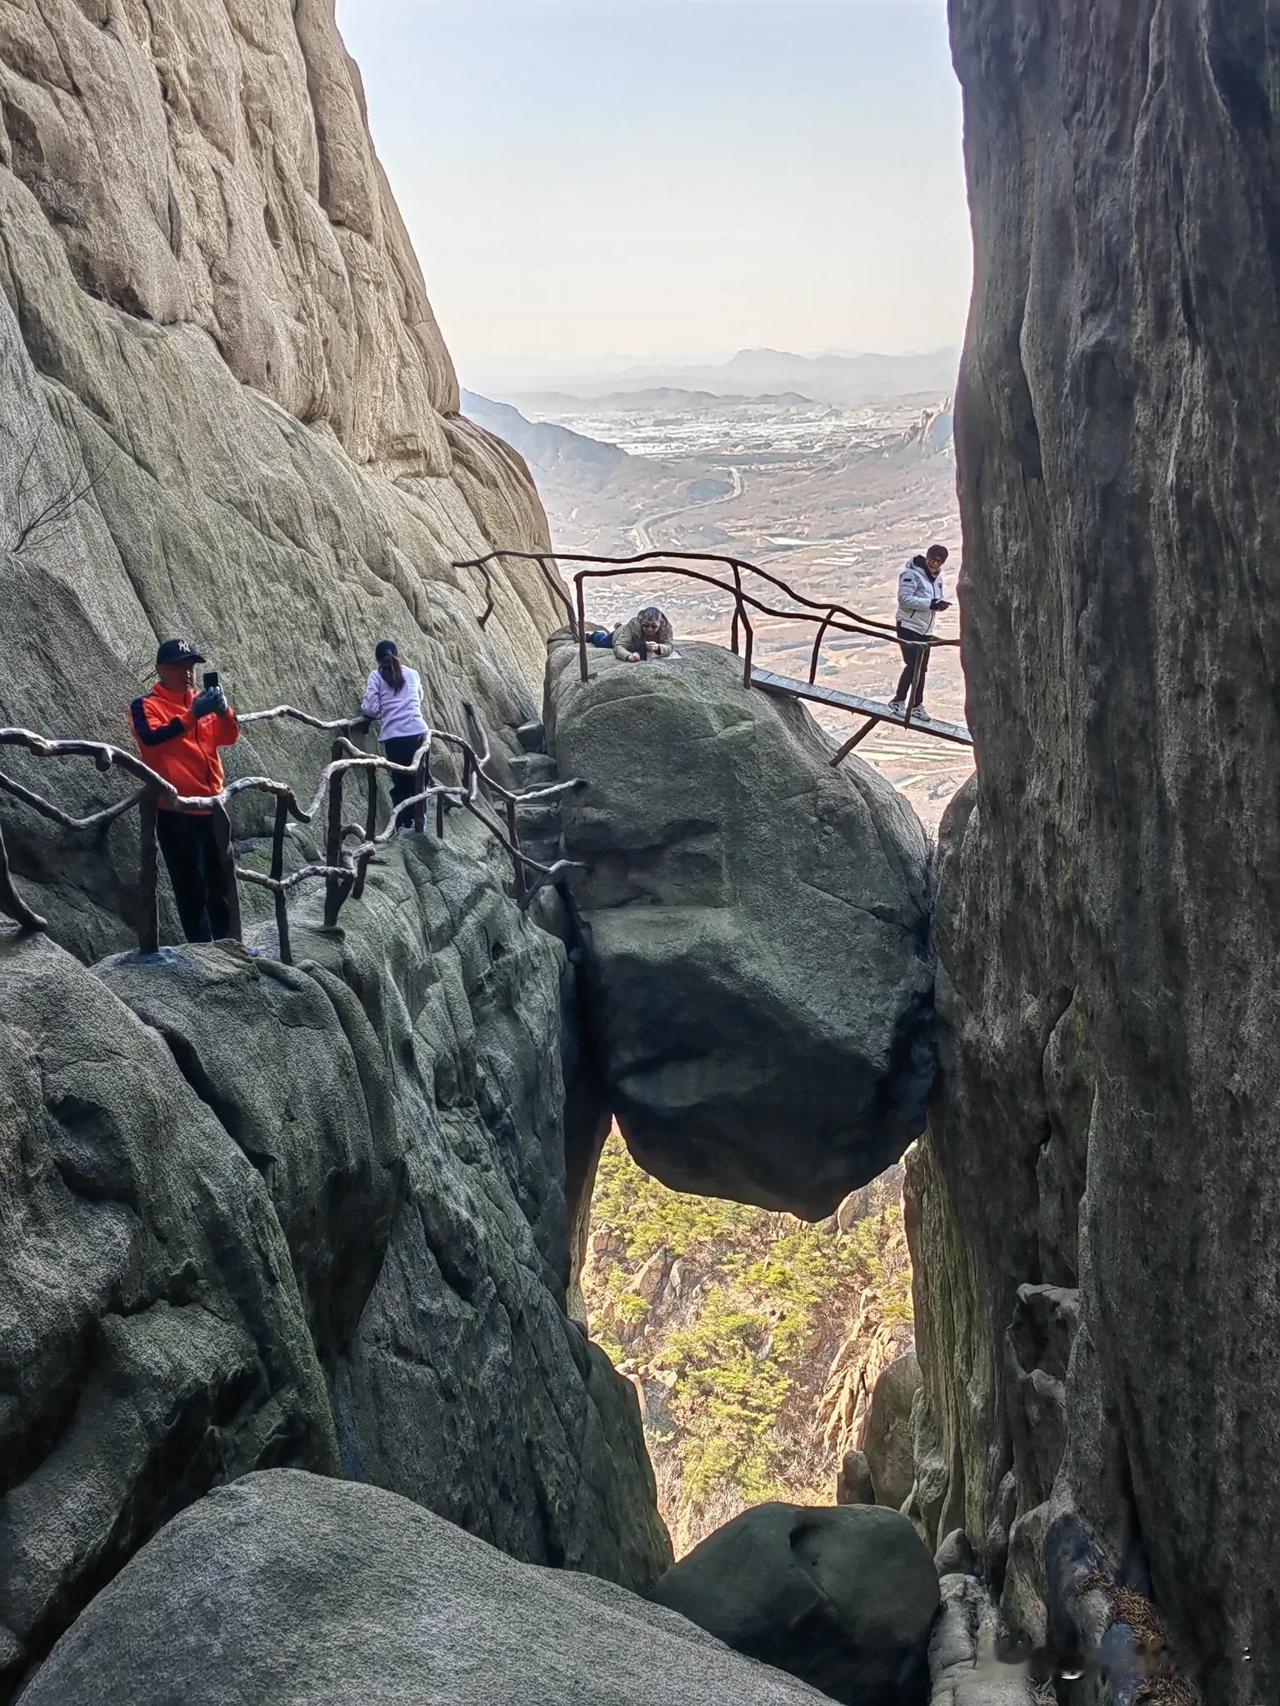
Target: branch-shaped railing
344	869
826	616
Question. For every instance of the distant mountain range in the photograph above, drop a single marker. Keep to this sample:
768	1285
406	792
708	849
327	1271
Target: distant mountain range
845	379
543	444
657	397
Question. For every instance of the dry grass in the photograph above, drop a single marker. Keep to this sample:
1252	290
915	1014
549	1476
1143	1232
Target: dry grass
1162	1685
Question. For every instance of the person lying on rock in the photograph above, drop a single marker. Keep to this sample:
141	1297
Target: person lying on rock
647	635
920	598
179	733
393	698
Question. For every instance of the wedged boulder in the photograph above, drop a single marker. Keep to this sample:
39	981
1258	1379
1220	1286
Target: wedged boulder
886	1434
840	1596
290	1587
757	930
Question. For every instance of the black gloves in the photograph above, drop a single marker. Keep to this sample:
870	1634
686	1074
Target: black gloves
212	702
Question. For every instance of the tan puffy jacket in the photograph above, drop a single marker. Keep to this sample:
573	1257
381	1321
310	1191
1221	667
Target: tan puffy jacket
627	639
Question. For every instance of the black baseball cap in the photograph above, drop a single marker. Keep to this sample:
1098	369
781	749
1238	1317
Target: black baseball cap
177	651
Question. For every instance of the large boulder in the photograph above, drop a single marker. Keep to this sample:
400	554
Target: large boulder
886	1433
842	1596
289	1587
757	930
310	1215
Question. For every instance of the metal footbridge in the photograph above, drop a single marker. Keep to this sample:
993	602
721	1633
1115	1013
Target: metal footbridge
748	596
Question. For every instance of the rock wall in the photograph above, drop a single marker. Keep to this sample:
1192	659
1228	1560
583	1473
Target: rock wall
255	1215
213	327
1095	1211
315	1216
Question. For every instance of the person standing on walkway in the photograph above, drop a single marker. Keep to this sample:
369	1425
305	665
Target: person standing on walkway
920	598
180	733
393	698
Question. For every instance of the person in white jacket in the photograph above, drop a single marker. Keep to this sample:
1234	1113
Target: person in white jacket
393	697
920	598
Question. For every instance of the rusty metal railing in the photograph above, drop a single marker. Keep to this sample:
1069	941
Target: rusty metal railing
344	869
828	617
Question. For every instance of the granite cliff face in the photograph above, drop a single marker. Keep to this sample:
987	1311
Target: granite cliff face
311	1216
256	1215
211	316
1095	1211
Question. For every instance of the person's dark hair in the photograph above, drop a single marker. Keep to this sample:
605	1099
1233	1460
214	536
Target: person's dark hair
939	553
389	668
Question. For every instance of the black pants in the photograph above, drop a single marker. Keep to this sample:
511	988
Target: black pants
401	750
197	874
909	645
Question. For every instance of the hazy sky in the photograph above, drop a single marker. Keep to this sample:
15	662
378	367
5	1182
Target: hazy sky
673	177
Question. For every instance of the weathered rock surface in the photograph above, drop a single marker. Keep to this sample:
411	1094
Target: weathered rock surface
314	1216
886	1432
210	314
955	1556
854	1485
287	1586
965	1666
1107	927
757	927
843	1597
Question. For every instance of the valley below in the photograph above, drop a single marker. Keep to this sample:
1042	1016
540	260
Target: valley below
830	497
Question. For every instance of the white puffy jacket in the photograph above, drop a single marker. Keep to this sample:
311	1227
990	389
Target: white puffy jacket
916	593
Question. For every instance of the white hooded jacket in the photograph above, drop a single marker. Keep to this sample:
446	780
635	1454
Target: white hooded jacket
916	594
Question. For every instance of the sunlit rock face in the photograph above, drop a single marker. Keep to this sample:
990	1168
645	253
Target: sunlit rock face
756	931
213	328
1107	925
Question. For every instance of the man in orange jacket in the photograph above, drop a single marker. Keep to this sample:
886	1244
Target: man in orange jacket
179	733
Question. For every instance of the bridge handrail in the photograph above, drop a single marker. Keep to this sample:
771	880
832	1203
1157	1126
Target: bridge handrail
828	615
344	869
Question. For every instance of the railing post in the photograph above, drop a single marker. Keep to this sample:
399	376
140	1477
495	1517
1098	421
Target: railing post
148	921
334	887
817	647
751	639
737	609
11	902
277	872
440	817
370	830
222	840
513	835
582	626
423	780
468	768
371	809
